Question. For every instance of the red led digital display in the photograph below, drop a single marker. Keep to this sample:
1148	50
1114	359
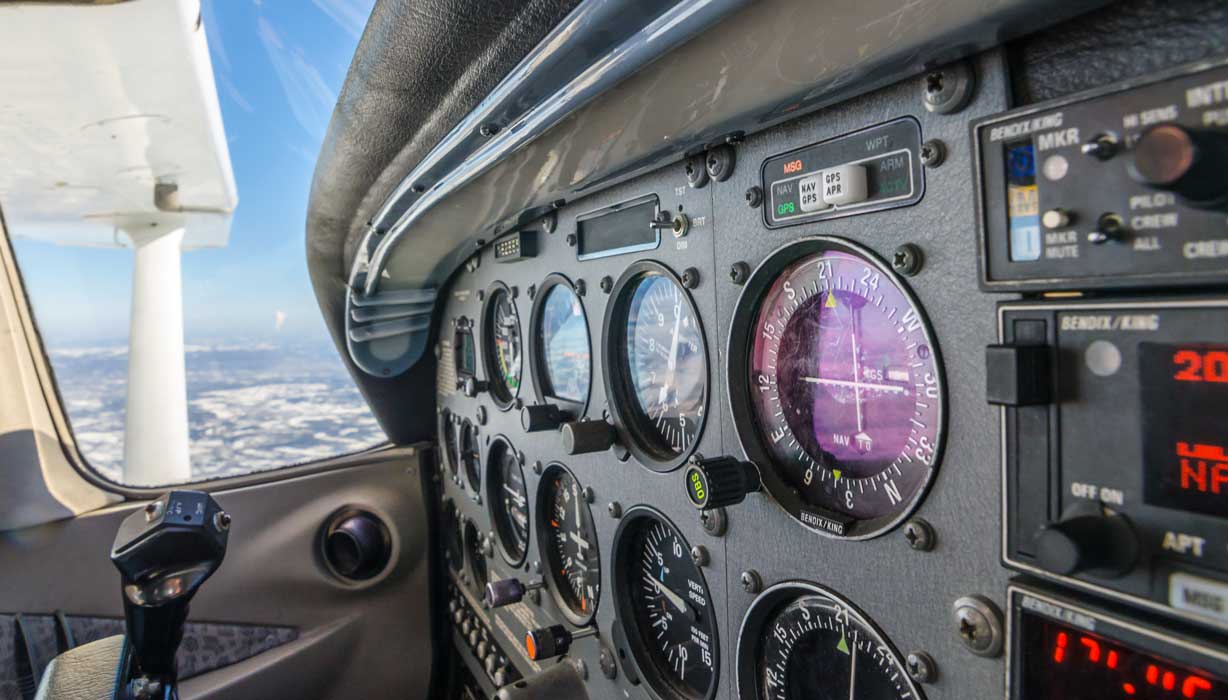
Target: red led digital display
1065	663
1185	426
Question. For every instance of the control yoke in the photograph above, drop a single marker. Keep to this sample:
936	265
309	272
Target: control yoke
164	553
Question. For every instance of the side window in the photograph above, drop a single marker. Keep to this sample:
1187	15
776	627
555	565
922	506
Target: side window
167	267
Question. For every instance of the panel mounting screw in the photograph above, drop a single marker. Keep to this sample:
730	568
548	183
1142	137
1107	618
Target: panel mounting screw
606	660
581	288
418	188
714	521
690	278
607	283
754	197
532	290
587	493
907	259
481	295
949	89
571	240
699	555
720	162
979	623
739	272
537	467
921	667
696	173
751	582
615	509
920	535
933	153
489	130
481	415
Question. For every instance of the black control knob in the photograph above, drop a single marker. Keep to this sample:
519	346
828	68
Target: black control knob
542	417
1100	545
555	640
508	591
1189	162
584	436
472	386
719	482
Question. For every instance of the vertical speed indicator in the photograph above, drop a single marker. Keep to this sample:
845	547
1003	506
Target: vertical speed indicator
837	387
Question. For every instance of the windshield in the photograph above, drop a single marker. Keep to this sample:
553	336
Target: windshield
264	384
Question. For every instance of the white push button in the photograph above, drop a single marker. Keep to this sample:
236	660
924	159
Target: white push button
1198	595
845	184
811	191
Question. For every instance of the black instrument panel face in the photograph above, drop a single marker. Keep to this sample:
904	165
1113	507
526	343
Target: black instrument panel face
1075	195
1062	649
855	381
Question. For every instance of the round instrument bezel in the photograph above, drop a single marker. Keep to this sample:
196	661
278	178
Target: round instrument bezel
573	410
765	608
616	369
738	389
500	445
501	395
623	578
549	554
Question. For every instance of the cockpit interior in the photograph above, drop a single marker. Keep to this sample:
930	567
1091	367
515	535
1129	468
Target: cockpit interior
668	350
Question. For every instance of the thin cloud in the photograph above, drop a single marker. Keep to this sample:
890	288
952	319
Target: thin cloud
309	97
350	15
233	93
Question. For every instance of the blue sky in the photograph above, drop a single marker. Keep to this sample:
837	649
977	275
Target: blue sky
279	67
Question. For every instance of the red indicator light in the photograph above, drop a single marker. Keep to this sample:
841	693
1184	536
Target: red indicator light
1201	366
1059	653
1128	687
1093	649
1112	662
1192	685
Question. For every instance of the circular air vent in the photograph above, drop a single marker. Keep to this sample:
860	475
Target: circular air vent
356	545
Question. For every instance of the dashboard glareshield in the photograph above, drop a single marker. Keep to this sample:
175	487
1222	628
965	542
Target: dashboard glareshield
560	346
658	592
655	366
846	416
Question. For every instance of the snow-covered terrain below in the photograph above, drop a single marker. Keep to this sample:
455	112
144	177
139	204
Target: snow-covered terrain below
251	406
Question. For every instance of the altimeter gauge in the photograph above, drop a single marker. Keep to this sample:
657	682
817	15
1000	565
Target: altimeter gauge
656	365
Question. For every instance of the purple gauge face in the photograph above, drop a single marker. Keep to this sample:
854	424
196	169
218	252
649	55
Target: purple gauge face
846	390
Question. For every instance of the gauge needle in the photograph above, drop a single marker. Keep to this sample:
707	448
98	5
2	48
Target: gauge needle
853	674
671	596
515	496
889	388
857	380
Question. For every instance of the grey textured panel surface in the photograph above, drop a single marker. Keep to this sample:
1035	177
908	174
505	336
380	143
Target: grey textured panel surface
909	593
352	639
1125	40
